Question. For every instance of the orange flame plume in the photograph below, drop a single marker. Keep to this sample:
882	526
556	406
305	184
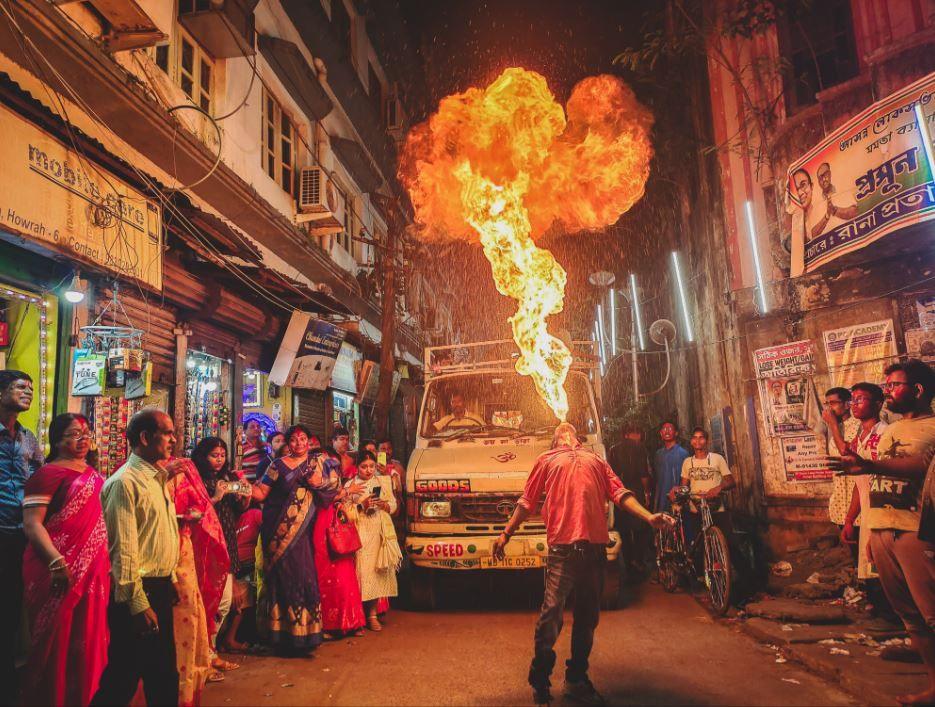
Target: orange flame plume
503	164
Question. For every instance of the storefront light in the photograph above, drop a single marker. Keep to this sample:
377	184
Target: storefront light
436	509
211	386
75	292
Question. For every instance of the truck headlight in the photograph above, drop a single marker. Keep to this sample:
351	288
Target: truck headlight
436	509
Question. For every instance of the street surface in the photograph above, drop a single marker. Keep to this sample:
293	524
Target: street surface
663	649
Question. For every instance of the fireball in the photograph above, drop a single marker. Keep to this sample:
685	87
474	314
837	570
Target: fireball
505	164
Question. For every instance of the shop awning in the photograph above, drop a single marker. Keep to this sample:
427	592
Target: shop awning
357	162
222	237
296	75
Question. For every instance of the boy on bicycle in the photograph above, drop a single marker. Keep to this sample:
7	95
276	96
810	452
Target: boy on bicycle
707	475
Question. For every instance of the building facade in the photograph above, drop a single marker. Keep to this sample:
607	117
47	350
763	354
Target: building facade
206	170
818	264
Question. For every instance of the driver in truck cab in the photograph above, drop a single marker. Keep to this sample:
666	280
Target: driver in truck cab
459	416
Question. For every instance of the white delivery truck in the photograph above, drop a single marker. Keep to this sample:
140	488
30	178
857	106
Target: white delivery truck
481	427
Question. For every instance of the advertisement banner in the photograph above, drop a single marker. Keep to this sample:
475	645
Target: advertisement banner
859	352
783	373
307	354
868	178
53	196
804	458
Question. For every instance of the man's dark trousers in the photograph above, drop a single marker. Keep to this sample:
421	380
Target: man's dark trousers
132	658
12	546
578	567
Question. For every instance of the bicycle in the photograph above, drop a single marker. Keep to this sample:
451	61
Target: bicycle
675	561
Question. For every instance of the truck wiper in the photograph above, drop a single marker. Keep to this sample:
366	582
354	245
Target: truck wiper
473	431
538	431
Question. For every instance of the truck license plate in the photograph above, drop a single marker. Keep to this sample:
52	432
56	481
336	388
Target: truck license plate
516	562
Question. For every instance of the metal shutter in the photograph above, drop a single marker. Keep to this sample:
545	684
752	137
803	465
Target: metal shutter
308	408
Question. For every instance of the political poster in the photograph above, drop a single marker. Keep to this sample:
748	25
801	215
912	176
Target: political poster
868	178
860	352
307	354
920	343
784	375
804	458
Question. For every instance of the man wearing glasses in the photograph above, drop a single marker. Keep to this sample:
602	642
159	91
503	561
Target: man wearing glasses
20	456
905	563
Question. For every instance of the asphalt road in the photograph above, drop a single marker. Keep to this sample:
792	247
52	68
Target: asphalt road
661	650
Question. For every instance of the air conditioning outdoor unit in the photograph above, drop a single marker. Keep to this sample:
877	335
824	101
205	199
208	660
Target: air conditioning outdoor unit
319	203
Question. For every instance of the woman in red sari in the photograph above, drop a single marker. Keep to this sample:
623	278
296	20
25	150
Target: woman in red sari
66	571
341	609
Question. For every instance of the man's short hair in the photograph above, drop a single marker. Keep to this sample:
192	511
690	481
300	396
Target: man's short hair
8	376
146	420
339	431
917	373
668	421
842	393
700	429
561	430
875	391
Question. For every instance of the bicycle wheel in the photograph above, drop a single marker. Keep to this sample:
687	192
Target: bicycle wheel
717	569
667	553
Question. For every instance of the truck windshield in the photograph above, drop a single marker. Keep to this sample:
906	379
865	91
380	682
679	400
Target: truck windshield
497	403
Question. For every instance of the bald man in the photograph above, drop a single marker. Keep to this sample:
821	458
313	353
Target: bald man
144	550
576	484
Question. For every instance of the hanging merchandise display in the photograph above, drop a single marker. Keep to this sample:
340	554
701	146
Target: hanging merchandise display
109	417
207	411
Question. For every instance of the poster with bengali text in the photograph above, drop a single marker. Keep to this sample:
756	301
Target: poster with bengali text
783	373
803	458
859	352
867	179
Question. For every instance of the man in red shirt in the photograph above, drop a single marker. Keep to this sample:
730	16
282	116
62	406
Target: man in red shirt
576	484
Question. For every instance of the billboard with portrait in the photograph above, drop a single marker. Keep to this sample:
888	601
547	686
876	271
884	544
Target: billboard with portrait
868	178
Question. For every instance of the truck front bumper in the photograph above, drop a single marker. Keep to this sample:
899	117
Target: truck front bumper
471	552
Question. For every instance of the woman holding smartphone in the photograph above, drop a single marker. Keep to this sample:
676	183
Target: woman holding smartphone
379	557
230	495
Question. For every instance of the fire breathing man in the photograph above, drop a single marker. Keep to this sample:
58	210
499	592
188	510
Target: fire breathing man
576	484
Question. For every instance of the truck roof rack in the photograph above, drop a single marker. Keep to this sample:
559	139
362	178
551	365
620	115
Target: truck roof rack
483	355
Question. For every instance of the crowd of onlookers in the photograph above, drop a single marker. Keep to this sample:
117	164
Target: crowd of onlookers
145	575
881	448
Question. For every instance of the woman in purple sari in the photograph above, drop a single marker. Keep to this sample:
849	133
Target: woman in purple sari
289	610
66	571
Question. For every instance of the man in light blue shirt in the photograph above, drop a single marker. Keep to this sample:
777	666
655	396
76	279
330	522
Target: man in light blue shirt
667	463
20	456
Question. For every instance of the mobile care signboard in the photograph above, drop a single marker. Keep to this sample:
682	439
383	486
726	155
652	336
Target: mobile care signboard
868	178
51	195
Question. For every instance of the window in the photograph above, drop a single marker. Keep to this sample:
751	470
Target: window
344	237
375	90
189	67
278	143
817	39
342	24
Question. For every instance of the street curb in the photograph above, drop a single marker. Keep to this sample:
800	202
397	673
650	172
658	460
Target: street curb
861	690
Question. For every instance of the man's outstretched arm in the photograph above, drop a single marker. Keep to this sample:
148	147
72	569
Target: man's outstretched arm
519	515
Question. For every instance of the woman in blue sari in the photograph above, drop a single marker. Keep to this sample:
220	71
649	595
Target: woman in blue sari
289	610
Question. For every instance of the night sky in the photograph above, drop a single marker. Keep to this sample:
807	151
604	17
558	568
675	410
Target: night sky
464	44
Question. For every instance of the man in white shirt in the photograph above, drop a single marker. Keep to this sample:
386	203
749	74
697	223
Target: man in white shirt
842	427
459	417
707	475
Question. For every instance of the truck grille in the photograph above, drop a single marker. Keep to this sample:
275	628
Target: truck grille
486	508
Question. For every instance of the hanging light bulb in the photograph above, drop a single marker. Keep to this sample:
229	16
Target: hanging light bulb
75	291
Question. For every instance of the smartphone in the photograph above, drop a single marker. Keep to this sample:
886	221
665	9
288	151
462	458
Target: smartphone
381	458
376	491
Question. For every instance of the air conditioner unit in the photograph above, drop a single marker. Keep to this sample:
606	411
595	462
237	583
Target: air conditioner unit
319	203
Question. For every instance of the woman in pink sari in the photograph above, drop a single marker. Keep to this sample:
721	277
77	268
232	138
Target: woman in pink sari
66	571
